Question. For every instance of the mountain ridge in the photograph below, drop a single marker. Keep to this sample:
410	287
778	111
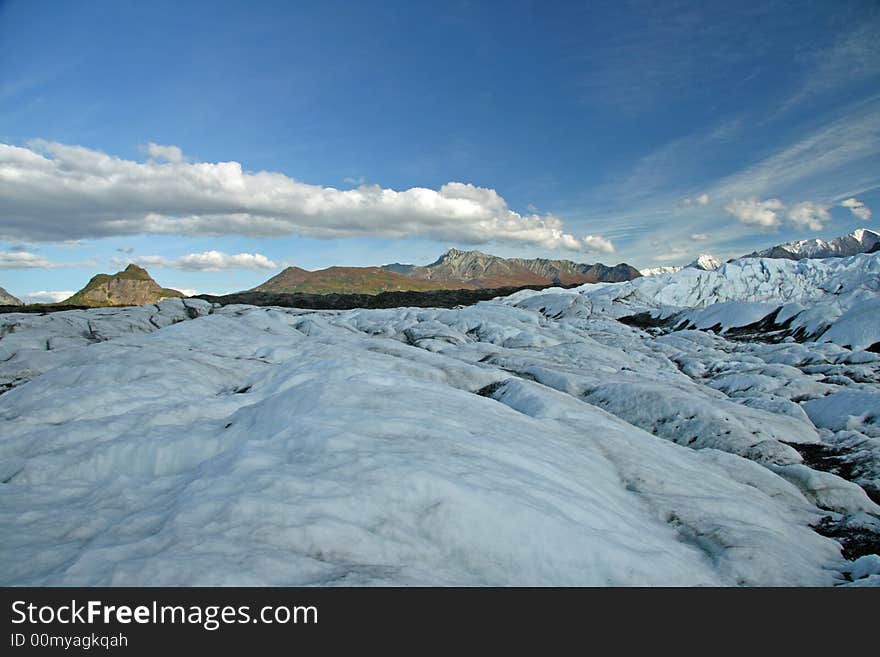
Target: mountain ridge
485	270
455	269
705	261
342	280
861	240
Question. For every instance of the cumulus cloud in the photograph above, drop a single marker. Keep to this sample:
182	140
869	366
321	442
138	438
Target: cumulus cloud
702	199
700	237
858	208
772	213
752	212
46	296
51	191
808	215
598	244
208	261
167	153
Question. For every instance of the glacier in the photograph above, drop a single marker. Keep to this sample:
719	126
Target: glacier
536	439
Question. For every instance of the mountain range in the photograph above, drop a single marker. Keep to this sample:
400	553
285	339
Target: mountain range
705	261
483	270
860	240
455	269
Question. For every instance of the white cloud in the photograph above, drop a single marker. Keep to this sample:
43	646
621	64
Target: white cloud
752	212
52	191
700	237
808	215
360	180
772	213
46	296
207	261
702	199
598	244
25	260
167	153
858	208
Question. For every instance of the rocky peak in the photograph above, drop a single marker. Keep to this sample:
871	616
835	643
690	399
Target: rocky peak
132	286
7	299
134	271
706	262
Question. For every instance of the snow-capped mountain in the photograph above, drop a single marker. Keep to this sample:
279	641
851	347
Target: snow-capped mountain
656	271
861	240
813	298
705	262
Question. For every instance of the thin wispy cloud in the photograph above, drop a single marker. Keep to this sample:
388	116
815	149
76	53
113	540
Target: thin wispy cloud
661	172
52	191
652	53
18	259
826	157
853	57
664	251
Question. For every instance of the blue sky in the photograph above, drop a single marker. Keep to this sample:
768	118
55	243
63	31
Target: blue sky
658	130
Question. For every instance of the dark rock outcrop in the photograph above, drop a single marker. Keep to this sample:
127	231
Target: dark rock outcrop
429	299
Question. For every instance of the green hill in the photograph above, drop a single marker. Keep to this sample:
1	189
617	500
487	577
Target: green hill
131	287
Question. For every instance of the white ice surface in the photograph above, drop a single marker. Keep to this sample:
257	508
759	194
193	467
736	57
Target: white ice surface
834	300
532	440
